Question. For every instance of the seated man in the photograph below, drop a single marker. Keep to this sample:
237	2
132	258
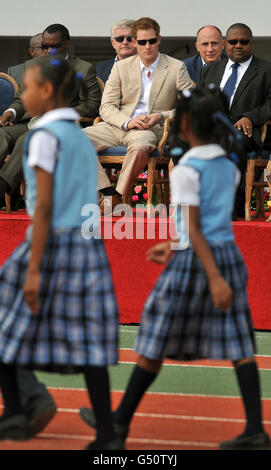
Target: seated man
210	45
139	94
34	50
85	102
121	40
246	80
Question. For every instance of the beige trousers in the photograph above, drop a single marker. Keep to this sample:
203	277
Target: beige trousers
139	144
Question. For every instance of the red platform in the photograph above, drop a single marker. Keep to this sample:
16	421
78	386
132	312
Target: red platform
134	276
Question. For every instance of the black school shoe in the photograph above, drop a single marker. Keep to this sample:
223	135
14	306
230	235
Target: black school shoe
14	428
115	444
88	417
255	442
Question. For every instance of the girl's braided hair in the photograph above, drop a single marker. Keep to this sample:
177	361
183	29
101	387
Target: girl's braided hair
208	111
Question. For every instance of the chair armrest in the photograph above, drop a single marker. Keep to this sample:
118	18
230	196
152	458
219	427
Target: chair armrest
162	142
85	121
264	130
96	120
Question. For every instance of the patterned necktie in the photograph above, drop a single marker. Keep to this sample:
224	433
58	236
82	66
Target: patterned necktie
231	82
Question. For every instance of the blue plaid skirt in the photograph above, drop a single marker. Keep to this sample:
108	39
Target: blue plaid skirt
77	323
179	319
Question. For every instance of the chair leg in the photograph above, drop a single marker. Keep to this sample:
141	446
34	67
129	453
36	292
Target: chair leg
158	187
166	190
127	198
268	174
8	203
150	183
259	211
261	197
170	165
249	182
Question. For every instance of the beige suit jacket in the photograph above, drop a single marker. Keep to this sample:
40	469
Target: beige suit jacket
123	88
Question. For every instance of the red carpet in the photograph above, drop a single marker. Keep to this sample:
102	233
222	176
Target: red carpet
134	276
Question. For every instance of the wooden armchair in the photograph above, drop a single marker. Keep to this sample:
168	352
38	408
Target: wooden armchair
252	163
159	159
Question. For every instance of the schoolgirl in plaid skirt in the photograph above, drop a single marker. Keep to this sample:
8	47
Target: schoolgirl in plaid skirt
58	310
199	307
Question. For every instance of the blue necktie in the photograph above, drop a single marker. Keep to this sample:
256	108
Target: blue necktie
231	82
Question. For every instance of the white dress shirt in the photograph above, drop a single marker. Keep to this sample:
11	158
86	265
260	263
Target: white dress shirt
146	82
240	73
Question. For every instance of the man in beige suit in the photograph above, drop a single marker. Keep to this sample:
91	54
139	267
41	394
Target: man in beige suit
139	94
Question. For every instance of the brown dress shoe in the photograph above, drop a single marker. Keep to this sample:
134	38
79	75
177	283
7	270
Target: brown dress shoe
108	204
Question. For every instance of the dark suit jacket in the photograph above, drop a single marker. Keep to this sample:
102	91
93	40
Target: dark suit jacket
16	72
103	69
85	103
253	95
194	65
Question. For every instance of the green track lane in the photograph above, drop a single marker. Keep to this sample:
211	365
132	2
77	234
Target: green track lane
186	380
173	379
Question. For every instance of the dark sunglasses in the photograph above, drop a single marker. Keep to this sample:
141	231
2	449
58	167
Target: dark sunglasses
121	38
51	46
243	42
143	42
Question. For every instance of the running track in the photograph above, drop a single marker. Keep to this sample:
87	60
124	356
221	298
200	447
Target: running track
163	421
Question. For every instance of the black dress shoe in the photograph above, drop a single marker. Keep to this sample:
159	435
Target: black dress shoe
87	415
255	442
14	427
41	413
115	444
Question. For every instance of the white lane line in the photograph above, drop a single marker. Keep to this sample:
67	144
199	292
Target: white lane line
172	394
256	355
212	445
173	416
198	366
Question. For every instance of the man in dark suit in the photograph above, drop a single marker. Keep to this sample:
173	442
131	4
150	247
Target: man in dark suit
248	91
34	50
85	102
121	41
210	45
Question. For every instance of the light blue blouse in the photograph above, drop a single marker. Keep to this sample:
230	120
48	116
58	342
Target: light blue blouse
206	178
75	174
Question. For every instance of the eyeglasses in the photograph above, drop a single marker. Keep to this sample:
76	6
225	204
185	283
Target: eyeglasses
243	42
45	47
143	42
121	38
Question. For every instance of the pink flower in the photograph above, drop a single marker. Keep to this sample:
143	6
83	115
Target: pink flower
134	197
145	196
138	189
